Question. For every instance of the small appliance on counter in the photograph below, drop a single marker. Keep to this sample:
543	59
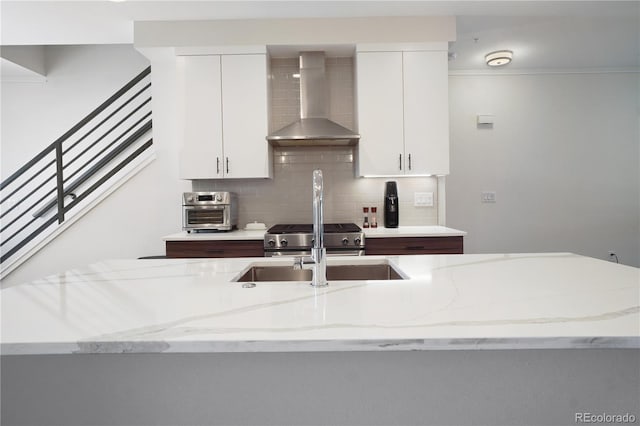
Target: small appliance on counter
209	211
391	215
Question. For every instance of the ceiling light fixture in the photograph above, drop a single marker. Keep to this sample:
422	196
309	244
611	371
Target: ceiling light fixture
498	58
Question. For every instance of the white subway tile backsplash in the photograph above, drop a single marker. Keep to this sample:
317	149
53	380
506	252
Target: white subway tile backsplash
287	197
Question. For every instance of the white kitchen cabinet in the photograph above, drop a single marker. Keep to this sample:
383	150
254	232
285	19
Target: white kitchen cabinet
380	116
224	116
201	95
244	116
426	112
403	113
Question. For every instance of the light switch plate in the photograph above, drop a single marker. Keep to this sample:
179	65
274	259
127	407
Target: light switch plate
423	199
488	196
485	119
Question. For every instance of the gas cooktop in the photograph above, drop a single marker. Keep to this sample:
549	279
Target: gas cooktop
339	238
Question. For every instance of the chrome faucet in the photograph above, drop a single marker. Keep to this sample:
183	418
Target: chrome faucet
318	259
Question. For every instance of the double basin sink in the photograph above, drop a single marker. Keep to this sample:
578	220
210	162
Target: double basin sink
380	270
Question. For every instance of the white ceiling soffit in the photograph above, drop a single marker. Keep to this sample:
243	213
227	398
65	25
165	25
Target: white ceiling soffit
22	64
12	72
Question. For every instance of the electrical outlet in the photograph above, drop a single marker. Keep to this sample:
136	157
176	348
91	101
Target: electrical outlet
423	199
488	196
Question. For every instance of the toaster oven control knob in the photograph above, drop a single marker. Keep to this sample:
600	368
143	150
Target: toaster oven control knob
284	243
218	197
345	241
190	199
271	243
357	241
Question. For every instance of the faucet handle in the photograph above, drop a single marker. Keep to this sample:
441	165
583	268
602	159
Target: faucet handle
297	262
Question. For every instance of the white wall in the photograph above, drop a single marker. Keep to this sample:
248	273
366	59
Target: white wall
79	78
129	223
562	156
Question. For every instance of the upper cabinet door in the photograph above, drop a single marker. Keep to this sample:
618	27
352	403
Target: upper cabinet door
201	155
426	112
245	117
380	116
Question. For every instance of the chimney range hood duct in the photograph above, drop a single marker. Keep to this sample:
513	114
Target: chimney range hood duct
313	128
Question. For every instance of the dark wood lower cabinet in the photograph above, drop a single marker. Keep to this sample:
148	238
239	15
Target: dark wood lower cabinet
218	248
374	246
414	245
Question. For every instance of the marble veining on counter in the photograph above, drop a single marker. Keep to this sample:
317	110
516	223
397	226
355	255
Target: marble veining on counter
499	301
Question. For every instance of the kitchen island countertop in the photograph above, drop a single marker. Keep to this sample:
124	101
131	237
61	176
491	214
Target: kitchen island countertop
483	301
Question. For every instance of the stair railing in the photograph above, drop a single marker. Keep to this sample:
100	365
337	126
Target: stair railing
46	189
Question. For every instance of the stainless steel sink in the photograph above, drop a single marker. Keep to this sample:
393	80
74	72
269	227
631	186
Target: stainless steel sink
367	271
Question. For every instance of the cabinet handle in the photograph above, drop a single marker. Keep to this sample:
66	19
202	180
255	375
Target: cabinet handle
217	165
214	250
409	161
400	159
227	165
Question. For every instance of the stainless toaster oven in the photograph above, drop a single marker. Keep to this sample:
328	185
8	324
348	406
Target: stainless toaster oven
209	211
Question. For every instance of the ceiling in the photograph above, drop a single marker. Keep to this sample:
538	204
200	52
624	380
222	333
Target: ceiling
544	35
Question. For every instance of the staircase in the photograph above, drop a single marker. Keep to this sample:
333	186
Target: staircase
75	172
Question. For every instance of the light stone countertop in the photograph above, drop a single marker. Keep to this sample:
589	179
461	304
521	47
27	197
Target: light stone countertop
413	231
237	234
484	301
241	234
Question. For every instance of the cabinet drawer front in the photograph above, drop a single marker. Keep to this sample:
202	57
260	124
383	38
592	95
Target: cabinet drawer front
234	248
414	245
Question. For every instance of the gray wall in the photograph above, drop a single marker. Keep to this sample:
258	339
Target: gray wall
562	156
481	387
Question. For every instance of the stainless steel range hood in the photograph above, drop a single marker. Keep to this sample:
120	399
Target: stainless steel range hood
313	128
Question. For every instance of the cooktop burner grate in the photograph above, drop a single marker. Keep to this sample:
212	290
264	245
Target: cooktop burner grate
305	228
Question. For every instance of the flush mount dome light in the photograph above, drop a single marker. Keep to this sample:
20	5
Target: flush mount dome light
498	58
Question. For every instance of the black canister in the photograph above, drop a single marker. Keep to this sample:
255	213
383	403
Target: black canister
391	214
